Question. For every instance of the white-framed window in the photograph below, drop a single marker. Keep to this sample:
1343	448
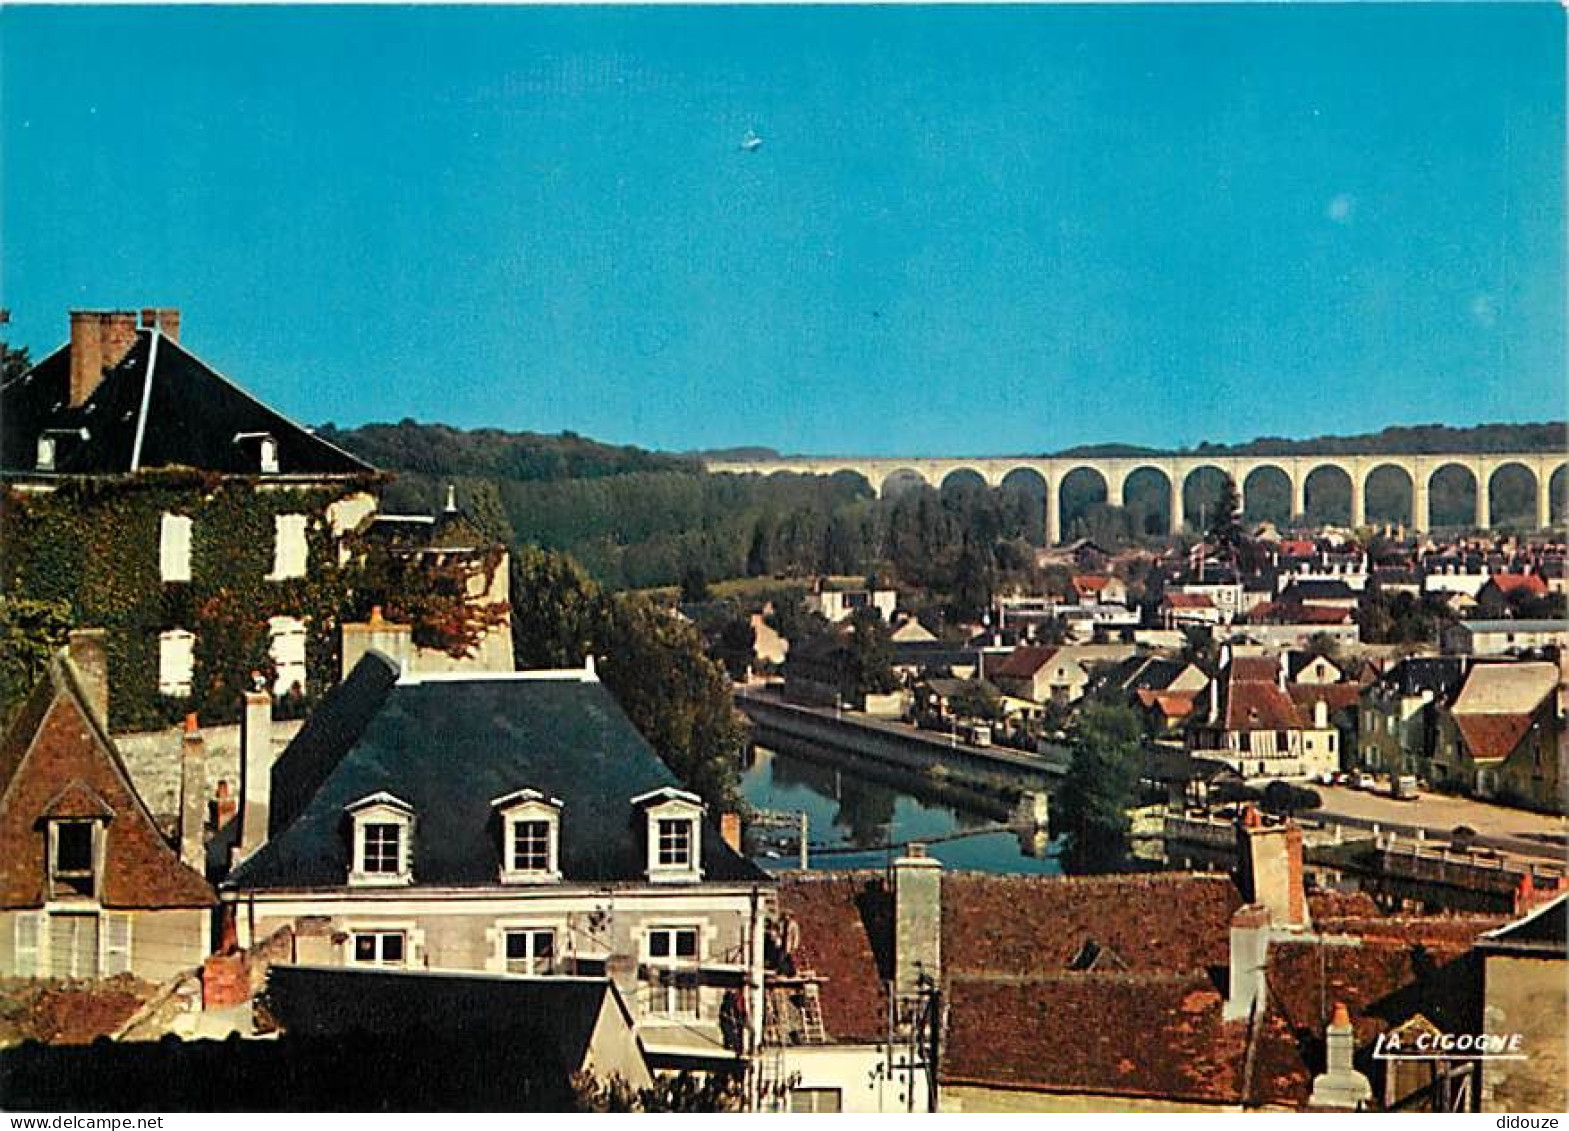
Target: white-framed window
75	849
288	653
379	948
290	551
381	841
529	950
174	547
46	447
672	957
675	849
176	662
530	837
267	452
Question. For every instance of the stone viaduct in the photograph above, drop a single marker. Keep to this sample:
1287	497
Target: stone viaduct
1114	472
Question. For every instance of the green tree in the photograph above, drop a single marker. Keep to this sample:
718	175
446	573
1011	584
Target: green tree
976	700
1225	528
868	656
1101	785
654	664
694	585
30	633
13	362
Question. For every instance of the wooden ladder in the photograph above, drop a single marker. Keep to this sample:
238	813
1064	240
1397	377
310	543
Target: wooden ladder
812	1016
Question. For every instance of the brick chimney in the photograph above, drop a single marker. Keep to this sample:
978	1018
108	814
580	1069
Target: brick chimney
100	339
255	772
1270	869
1340	1087
90	661
193	797
730	830
917	906
166	320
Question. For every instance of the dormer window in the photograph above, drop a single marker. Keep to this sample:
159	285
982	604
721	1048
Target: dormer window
382	841
674	828
530	837
46	453
73	859
266	448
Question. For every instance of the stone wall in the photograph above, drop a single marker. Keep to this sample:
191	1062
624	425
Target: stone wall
153	759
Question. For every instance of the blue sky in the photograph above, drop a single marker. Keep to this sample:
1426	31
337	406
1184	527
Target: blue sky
966	230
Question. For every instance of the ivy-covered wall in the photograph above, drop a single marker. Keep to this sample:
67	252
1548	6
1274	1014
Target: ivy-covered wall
94	543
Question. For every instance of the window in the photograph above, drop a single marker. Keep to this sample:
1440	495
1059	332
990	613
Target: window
530	837
379	948
675	842
674	835
531	846
382	844
672	975
804	1101
530	951
268	453
383	849
288	653
72	865
174	547
289	550
176	661
46	453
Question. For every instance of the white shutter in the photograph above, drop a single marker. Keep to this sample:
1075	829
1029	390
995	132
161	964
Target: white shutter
290	550
174	548
176	662
116	944
288	652
28	928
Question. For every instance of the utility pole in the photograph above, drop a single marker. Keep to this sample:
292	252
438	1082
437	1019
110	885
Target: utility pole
803	839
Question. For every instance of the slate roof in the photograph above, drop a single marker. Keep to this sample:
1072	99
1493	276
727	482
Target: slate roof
1544	930
1317	590
1416	674
55	760
449	747
182	410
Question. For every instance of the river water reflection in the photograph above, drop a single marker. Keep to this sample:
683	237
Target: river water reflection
853	818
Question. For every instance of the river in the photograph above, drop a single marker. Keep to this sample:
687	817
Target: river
852	818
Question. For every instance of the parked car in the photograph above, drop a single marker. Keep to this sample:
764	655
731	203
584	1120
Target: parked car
1403	787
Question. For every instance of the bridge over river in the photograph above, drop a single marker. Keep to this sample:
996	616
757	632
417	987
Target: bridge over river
1301	471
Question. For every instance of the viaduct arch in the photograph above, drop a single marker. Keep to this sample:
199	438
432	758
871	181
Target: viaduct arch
1420	469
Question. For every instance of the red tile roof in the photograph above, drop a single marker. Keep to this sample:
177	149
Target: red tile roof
1531	583
1188	601
1258	669
1023	662
1337	696
1112	1034
1490	738
1172	704
1021	925
841	916
1254	705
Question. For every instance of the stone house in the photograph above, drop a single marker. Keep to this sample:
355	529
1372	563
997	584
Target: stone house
123	440
1525	991
509	823
1399	713
1503	737
89	885
1250	721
